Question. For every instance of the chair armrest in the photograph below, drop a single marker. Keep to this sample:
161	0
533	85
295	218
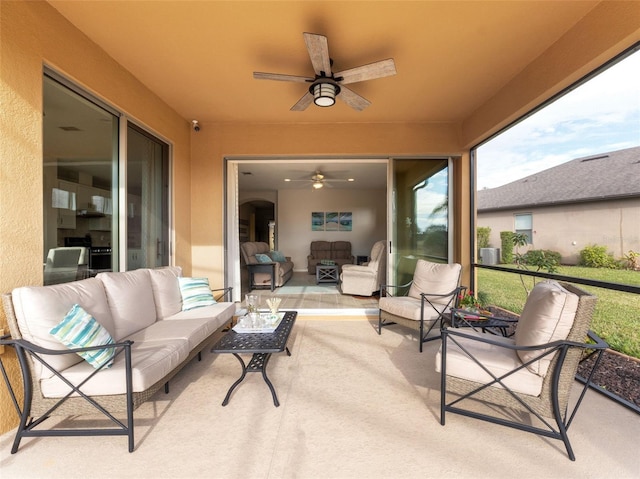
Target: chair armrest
600	344
384	289
465	312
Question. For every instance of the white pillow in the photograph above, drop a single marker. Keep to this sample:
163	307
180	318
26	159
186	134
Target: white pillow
195	293
547	316
79	329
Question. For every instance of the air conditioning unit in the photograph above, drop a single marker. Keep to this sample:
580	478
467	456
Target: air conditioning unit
490	255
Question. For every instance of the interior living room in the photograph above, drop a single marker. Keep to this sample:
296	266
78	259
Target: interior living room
203	110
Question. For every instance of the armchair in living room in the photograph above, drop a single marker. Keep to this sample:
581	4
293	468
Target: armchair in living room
365	279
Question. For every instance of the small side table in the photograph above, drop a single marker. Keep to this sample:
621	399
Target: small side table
326	273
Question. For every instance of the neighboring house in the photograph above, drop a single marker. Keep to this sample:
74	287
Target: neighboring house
591	200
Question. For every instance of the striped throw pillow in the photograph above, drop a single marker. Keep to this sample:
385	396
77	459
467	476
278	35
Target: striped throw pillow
79	329
195	293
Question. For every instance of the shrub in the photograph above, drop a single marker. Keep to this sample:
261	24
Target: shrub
543	259
596	256
506	240
631	260
483	233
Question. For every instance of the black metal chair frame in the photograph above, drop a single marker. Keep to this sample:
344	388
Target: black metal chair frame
563	419
454	298
28	425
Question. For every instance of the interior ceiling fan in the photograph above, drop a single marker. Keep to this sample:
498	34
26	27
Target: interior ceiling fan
327	85
319	180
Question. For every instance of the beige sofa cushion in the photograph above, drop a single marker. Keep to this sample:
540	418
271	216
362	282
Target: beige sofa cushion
153	356
221	312
166	290
130	297
434	278
46	306
496	359
547	316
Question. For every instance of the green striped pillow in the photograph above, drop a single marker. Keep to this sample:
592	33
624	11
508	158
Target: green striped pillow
195	293
79	329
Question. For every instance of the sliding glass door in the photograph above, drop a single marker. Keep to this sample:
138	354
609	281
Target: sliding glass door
419	215
88	226
147	200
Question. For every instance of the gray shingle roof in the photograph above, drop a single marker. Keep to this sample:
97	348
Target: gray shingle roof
593	178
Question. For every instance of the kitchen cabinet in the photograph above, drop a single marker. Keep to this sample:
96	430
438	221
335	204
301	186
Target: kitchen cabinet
64	201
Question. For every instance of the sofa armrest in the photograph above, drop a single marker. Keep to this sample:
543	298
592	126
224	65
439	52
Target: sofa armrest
226	293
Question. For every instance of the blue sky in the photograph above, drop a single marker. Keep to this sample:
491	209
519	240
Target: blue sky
600	116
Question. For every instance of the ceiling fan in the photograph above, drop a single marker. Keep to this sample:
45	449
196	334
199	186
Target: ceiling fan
319	180
327	85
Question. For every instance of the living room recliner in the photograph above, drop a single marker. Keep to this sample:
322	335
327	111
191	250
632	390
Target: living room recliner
365	279
431	293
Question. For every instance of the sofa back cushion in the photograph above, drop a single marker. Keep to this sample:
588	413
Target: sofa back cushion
166	290
40	308
547	316
341	250
251	248
130	297
435	278
320	250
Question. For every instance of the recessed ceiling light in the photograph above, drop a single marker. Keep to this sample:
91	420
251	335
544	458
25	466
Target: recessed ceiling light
287	179
350	179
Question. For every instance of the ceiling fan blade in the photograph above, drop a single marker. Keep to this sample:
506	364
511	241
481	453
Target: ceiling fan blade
352	99
318	48
383	68
279	77
303	102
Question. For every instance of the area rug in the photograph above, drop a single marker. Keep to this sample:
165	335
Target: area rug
353	404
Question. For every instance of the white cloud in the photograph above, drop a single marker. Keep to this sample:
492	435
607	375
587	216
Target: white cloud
599	116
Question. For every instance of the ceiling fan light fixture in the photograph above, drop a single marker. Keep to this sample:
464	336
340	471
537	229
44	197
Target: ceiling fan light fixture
324	93
317	185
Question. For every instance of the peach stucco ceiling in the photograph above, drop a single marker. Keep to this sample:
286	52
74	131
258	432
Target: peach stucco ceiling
198	56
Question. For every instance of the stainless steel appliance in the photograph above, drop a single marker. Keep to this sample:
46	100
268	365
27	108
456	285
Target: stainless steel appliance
100	258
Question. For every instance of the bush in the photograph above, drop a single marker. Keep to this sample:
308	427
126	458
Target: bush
595	256
543	259
506	240
483	233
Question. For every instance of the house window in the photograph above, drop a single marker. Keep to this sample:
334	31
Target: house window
524	225
88	226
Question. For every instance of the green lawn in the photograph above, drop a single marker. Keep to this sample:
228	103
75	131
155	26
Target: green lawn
617	315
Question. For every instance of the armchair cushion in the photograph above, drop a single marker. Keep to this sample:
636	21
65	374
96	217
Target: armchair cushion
436	278
547	316
498	359
408	307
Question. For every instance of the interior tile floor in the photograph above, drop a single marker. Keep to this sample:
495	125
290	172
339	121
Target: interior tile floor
303	294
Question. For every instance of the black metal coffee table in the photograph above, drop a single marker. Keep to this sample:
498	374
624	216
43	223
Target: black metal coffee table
261	345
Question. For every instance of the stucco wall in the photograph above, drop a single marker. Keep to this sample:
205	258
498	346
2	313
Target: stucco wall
568	229
33	34
217	141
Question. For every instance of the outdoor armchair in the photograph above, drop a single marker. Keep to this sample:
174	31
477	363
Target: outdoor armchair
531	373
427	298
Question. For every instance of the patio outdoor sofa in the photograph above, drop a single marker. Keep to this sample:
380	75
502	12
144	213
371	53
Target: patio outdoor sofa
135	330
